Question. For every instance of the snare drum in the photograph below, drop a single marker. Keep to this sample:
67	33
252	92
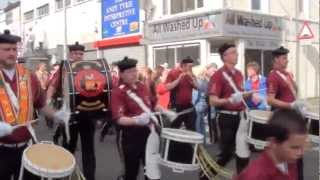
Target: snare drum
87	85
48	161
257	123
182	142
313	119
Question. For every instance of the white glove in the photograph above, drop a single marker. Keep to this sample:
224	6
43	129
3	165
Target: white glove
62	116
299	106
143	119
235	98
170	114
5	129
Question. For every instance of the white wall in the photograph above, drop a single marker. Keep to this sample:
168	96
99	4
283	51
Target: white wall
83	20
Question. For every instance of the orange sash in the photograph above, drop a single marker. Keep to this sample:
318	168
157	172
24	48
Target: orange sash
8	112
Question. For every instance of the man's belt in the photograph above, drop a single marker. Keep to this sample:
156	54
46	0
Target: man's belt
230	112
16	145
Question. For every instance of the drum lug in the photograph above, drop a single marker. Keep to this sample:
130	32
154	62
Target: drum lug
104	110
77	112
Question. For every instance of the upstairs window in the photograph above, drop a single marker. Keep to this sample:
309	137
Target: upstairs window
28	16
9	17
43	10
59	4
180	6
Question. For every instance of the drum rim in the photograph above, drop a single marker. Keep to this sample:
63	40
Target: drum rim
179	166
33	168
313	115
254	116
192	137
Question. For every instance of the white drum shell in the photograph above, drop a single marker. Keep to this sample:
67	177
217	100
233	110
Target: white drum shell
261	117
184	136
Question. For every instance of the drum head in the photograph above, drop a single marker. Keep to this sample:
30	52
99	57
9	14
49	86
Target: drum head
258	115
49	157
87	85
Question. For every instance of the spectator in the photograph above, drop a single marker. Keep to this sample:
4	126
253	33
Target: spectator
256	82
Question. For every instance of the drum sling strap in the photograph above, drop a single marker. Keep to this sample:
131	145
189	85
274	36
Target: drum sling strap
9	111
289	82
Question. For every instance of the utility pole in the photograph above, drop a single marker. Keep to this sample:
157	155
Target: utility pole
65	47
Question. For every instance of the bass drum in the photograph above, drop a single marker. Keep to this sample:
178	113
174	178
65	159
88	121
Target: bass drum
87	86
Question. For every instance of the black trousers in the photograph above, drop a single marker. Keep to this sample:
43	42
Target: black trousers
10	162
134	154
228	126
188	119
84	125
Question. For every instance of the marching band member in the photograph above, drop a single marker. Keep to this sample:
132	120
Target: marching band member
282	90
229	108
20	93
181	81
82	124
287	135
133	121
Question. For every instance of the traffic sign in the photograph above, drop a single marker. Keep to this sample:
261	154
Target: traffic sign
305	32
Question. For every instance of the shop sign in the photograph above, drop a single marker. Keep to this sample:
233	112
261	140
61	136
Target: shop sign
184	27
120	17
249	24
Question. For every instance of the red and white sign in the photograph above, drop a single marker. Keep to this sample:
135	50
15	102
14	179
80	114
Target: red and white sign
305	32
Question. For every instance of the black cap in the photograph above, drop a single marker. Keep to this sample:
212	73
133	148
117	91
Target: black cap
225	47
76	47
6	37
187	60
126	63
280	51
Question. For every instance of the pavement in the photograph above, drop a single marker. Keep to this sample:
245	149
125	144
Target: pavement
109	166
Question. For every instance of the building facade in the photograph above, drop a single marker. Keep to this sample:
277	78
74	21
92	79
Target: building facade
196	28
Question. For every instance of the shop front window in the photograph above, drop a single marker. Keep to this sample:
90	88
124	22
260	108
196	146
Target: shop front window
262	57
174	54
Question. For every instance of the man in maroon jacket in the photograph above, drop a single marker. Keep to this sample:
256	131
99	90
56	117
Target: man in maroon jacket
20	94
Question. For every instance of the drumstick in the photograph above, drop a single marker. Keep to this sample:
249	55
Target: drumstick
25	124
253	91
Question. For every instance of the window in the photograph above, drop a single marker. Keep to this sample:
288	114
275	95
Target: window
255	4
9	18
67	2
200	3
28	16
300	6
175	53
303	8
59	4
43	10
263	58
165	7
179	6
